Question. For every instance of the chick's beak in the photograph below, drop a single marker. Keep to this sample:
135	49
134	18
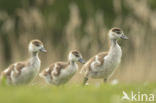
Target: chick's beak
124	37
43	50
81	61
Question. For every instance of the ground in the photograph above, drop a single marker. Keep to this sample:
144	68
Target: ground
105	93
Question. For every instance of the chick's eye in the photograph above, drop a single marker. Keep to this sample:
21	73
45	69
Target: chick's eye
118	32
37	45
77	55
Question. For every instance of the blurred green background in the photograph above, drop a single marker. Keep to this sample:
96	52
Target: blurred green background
64	25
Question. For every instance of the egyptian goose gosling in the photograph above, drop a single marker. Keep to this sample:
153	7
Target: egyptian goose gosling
103	64
24	72
61	72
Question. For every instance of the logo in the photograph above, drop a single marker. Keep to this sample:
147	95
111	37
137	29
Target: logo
138	96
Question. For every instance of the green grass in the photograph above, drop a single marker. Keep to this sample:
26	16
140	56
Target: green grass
105	93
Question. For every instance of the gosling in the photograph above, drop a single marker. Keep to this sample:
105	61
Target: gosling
60	73
24	72
104	64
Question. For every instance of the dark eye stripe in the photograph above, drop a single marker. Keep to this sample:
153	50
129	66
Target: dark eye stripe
37	44
77	55
118	32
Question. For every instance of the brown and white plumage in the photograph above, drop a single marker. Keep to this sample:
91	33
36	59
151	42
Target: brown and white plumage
103	64
97	60
61	72
24	72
